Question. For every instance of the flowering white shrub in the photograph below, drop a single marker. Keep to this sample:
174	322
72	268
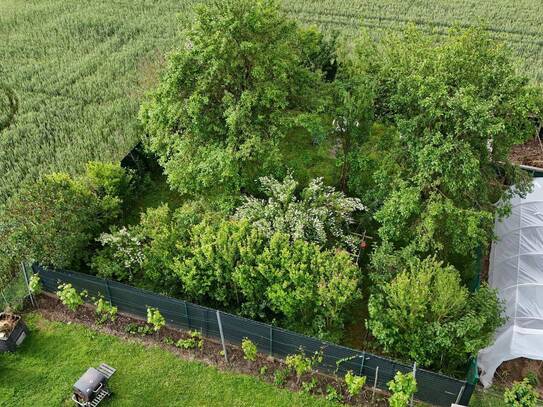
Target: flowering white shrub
320	214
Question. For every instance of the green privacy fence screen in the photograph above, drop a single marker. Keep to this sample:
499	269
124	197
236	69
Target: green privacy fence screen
433	388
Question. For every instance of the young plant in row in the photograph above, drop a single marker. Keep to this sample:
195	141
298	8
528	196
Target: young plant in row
69	296
301	364
354	384
521	394
403	387
105	311
249	349
194	341
34	284
155	319
137	329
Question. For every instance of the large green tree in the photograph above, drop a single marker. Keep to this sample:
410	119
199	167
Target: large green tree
55	220
228	95
426	315
454	107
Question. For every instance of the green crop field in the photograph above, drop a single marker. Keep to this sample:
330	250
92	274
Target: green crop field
79	68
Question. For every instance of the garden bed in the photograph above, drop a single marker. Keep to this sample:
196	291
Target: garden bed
265	367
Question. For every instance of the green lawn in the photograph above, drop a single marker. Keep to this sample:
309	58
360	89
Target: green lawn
53	357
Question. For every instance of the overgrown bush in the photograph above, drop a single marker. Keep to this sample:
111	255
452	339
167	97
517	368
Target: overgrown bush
521	394
69	296
425	314
310	290
403	387
305	288
54	222
144	253
249	349
214	254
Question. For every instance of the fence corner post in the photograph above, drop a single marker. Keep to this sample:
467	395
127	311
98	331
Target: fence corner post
222	336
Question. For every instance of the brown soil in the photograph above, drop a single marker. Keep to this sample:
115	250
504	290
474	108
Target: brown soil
264	366
517	369
529	153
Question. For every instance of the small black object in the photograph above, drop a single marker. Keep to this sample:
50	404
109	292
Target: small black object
92	388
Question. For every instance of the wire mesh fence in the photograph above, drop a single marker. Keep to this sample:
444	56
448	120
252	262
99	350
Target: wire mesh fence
433	388
14	293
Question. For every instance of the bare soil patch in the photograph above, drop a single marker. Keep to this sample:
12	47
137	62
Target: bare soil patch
517	369
529	153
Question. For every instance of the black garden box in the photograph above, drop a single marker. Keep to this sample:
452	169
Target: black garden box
13	331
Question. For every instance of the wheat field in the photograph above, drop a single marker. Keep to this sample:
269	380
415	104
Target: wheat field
80	67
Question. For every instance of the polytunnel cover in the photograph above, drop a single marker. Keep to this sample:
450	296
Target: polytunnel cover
516	270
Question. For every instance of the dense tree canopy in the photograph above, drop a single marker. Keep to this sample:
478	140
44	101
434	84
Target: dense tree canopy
455	108
426	315
226	98
420	128
296	283
54	220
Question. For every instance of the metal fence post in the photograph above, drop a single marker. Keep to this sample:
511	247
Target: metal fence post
207	322
414	376
362	364
375	383
23	269
222	335
460	393
187	314
108	293
271	340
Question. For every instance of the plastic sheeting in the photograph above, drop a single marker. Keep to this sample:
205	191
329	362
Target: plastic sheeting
516	270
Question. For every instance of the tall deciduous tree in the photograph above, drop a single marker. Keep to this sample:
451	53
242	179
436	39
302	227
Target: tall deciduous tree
54	220
426	315
456	107
228	95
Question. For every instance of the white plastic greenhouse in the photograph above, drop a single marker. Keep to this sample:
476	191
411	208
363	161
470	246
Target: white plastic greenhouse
516	270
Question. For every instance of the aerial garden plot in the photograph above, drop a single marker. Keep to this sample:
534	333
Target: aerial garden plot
340	186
